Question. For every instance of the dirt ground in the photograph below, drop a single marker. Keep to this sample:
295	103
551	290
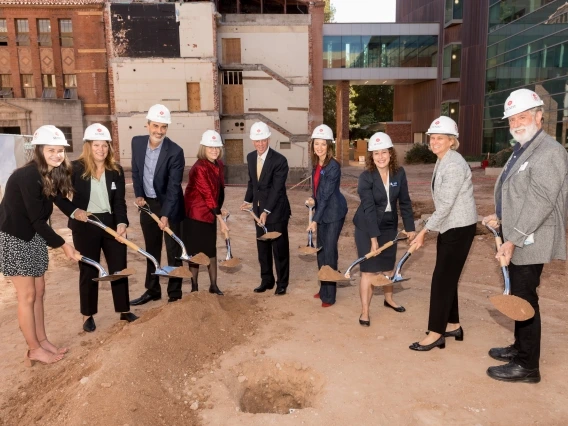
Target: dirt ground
260	359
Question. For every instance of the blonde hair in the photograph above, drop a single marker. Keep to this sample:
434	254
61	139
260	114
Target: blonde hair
455	143
202	152
86	158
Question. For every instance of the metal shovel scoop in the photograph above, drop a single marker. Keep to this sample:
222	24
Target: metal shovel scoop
230	261
199	258
103	275
268	236
512	306
166	271
310	249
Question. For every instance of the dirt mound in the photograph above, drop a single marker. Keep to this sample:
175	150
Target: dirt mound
143	373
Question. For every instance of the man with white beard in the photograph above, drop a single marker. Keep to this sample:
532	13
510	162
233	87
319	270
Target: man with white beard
531	197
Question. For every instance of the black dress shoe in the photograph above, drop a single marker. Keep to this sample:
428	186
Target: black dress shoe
458	334
145	298
365	323
215	290
441	343
399	309
173	299
89	325
503	354
262	288
512	372
280	291
128	316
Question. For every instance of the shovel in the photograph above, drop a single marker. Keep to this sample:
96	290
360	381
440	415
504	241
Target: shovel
268	236
103	275
512	306
199	258
310	248
230	261
166	271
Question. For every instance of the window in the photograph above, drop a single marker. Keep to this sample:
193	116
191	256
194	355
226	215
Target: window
3	33
452	61
451	109
22	32
28	86
232	77
70	84
68	133
454	12
66	32
285	145
48	86
44	32
6	86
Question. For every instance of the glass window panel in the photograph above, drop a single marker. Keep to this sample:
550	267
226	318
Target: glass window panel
70	80
332	52
352	49
452	61
22	32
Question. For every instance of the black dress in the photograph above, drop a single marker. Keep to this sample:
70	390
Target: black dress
202	236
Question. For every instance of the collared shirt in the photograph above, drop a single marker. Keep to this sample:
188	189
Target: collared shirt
263	156
518	150
150	161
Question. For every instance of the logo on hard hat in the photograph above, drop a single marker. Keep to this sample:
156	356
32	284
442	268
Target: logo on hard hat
378	139
56	133
437	122
535	97
510	103
321	130
213	137
161	112
100	130
257	130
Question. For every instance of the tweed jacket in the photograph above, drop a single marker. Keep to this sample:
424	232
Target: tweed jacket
452	194
534	201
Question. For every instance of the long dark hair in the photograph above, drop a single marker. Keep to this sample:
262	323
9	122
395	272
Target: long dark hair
393	164
328	154
56	180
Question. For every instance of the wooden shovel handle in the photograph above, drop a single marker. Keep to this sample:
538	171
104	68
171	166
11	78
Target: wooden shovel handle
379	250
412	248
499	243
122	239
226	233
157	219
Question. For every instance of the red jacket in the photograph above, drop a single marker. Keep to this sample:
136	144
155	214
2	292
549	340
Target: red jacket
202	191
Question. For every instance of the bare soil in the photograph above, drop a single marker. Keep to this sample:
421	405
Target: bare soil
258	359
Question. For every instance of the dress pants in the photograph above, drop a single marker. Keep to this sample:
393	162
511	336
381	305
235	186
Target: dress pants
279	249
153	237
89	240
524	281
452	249
327	238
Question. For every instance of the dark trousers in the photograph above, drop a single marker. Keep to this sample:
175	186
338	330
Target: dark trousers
524	281
452	249
153	237
279	249
89	240
328	236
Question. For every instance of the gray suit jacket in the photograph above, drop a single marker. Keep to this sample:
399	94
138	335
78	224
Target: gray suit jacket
452	194
534	200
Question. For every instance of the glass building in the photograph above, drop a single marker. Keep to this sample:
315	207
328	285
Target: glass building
527	47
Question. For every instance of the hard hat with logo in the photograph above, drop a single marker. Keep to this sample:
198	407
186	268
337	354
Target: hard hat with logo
212	139
521	100
443	126
259	131
159	114
378	141
322	132
96	132
49	135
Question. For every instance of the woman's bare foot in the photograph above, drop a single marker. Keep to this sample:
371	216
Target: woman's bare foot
42	355
48	346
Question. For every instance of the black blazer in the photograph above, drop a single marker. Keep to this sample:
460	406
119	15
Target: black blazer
270	189
167	176
331	205
116	194
374	201
25	210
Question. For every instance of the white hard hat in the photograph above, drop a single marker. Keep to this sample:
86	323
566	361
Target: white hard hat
323	132
211	138
443	126
521	100
378	141
159	114
259	131
97	132
49	135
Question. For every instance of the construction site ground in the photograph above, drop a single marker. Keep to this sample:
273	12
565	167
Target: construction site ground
260	359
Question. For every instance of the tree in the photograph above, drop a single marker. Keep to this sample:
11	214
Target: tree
373	105
328	11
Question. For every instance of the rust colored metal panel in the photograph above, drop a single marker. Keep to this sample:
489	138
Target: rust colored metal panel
452	34
233	99
193	97
450	92
231	50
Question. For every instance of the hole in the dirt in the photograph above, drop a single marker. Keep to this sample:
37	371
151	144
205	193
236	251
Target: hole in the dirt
271	396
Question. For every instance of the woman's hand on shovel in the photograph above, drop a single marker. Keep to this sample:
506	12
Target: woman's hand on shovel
419	239
69	251
80	215
507	249
222	224
313	227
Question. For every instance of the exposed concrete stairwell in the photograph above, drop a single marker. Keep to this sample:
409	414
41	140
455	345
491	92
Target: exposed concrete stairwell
275	126
265	69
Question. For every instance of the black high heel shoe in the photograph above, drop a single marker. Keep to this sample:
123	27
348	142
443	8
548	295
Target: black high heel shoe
215	290
457	333
365	323
399	309
441	343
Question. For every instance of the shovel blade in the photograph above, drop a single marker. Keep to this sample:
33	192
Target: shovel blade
230	263
380	280
200	259
269	236
173	272
326	273
513	307
308	250
116	276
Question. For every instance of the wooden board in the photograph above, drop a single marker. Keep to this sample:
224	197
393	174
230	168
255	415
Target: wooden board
231	50
193	97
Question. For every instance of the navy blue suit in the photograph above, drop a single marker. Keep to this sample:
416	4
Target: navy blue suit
168	202
331	209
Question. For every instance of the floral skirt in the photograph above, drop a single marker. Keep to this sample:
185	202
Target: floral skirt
23	258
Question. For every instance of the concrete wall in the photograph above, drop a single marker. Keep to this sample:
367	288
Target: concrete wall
196	24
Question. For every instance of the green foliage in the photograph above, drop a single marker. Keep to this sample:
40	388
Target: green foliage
374	104
329	99
328	12
420	154
499	159
473	158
